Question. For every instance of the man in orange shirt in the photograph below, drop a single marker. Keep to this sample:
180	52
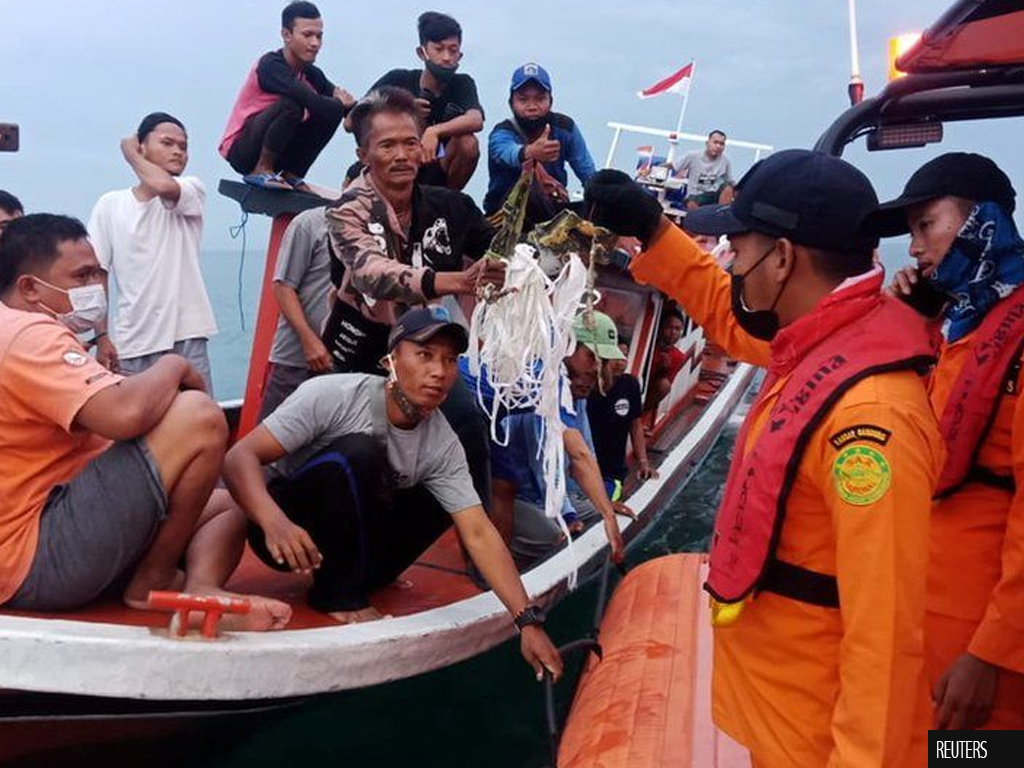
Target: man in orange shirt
81	513
819	553
958	209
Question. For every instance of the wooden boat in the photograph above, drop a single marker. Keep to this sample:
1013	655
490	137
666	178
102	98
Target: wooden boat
115	666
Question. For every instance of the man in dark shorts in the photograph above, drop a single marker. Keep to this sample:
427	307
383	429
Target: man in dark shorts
287	110
107	481
366	473
446	101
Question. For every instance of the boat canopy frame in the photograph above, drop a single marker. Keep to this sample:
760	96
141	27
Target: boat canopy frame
969	65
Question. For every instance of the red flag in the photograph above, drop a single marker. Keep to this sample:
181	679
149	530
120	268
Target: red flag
677	82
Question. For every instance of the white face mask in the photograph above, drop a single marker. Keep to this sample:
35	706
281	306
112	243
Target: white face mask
88	306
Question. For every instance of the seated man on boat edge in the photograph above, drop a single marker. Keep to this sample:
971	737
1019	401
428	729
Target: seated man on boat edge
365	473
826	510
446	103
287	110
108	482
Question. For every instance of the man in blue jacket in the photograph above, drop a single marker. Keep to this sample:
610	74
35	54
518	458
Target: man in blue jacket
535	133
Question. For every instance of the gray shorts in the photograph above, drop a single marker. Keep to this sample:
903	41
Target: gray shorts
193	350
283	380
94	530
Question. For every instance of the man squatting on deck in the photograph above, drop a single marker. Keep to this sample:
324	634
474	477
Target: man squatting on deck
365	474
826	509
108	482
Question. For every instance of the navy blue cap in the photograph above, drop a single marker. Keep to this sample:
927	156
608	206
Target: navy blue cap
957	174
531	73
424	323
809	197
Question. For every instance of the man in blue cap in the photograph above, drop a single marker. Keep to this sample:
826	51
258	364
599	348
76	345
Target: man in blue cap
535	133
365	473
820	549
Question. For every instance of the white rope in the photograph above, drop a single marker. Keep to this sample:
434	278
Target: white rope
520	339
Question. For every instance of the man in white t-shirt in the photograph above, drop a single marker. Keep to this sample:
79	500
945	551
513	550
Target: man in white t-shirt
708	173
147	237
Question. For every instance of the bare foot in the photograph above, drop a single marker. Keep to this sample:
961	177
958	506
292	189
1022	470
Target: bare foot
265	614
138	597
358	617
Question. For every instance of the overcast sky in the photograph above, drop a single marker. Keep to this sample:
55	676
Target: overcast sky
78	76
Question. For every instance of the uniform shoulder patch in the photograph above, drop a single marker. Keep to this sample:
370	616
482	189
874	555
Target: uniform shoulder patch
861	475
858	432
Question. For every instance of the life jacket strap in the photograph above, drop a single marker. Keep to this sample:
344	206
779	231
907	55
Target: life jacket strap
801	584
985	476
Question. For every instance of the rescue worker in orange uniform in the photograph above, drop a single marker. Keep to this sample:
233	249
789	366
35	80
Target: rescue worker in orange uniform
820	548
958	209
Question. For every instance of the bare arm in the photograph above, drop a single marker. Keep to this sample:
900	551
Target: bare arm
132	407
470	122
243	474
492	557
636	437
317	357
586	471
154	179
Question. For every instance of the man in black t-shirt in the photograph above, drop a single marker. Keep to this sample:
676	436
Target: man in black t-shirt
287	109
614	416
447	102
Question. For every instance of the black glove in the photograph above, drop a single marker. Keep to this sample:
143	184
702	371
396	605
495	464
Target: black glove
616	202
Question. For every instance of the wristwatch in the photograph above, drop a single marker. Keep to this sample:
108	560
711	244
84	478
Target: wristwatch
530	616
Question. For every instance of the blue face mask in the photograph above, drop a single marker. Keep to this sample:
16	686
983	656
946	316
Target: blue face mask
984	265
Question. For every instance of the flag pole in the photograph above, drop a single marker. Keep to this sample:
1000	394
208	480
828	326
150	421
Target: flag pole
686	96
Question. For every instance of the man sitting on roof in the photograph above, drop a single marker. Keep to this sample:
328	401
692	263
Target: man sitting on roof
287	109
366	474
106	481
446	103
535	133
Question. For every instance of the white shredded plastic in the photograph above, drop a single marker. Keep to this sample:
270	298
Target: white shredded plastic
520	340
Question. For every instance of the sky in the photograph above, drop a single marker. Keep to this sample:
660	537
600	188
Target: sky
80	76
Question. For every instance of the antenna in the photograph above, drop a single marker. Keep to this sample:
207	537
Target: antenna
855	89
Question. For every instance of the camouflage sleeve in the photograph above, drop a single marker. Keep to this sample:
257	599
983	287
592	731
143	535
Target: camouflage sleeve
370	267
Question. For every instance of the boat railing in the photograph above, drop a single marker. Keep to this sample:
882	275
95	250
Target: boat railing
674	137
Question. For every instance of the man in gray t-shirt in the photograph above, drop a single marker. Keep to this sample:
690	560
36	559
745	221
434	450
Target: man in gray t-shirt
708	173
364	474
302	287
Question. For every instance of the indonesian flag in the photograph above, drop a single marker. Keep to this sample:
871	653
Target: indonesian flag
678	82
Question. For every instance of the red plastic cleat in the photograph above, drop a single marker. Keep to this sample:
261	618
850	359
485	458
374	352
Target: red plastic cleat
183	603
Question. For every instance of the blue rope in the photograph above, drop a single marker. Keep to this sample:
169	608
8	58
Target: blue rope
235	231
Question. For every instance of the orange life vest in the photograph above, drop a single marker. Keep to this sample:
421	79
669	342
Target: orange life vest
861	333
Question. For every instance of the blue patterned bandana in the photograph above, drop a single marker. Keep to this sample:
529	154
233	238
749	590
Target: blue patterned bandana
984	265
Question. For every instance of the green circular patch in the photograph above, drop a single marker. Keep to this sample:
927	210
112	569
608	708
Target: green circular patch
861	475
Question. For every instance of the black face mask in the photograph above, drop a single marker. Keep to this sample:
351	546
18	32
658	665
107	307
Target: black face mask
760	323
442	73
531	125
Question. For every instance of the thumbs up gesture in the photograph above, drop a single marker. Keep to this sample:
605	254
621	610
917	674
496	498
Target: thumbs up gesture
544	149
